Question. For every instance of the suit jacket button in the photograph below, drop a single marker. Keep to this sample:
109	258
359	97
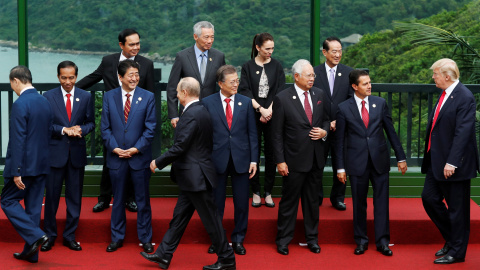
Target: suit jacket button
368	138
125	131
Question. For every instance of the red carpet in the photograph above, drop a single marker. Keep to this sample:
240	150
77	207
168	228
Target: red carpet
408	224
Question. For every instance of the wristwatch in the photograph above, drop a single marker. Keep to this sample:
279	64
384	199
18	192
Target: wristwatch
258	109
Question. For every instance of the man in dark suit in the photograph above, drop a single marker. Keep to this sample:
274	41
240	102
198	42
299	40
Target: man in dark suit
26	163
129	42
362	153
194	172
200	62
450	161
74	118
236	149
332	78
128	126
300	124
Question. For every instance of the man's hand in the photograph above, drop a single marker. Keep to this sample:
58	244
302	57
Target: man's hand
18	182
132	151
448	171
153	166
402	167
75	131
282	169
252	170
317	133
174	122
333	124
342	177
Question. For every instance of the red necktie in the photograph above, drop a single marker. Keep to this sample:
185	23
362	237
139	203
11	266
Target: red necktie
228	113
437	111
308	109
365	116
69	107
126	110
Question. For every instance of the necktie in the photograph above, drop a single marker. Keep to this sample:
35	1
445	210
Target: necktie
365	116
308	109
126	110
331	81
69	107
203	66
437	111
228	113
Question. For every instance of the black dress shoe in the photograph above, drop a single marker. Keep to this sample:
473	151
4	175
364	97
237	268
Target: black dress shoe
20	256
34	248
447	259
148	247
162	262
315	248
282	250
211	249
442	252
114	246
385	250
360	249
131	206
100	206
48	245
272	204
221	266
239	248
73	245
339	206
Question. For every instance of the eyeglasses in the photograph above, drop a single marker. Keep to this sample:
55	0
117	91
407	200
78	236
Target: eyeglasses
235	82
310	75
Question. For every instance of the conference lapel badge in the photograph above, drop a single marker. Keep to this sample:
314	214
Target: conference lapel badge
239	103
139	100
77	99
339	74
294	97
258	72
374	105
318	102
210	59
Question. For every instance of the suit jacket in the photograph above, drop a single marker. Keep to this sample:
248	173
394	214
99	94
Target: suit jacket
342	90
291	128
191	152
241	141
61	146
250	80
107	71
30	120
357	143
186	66
453	137
138	132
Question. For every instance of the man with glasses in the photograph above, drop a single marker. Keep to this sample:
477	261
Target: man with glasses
200	61
236	149
300	125
332	78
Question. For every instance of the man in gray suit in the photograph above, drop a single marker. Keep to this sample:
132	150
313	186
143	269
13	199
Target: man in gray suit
200	62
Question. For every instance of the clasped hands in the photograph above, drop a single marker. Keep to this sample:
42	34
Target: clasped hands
75	131
266	115
125	153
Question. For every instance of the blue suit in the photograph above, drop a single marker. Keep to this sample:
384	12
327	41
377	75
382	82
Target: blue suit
364	154
27	156
138	132
68	158
233	151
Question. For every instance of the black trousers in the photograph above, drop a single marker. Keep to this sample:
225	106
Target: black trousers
264	130
337	194
453	219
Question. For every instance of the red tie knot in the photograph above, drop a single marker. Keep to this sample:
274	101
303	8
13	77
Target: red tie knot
227	100
68	95
128	95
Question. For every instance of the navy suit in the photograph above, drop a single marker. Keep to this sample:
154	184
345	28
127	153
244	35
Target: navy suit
138	132
304	157
342	90
68	158
364	154
27	156
453	142
194	172
233	151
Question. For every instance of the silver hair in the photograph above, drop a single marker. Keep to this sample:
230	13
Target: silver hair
191	85
197	28
299	65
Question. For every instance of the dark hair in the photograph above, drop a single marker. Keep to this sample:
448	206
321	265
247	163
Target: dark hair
259	39
22	73
125	65
225	70
122	37
355	75
66	64
328	40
